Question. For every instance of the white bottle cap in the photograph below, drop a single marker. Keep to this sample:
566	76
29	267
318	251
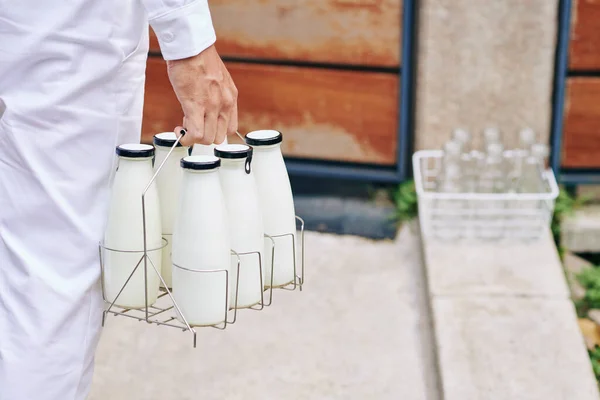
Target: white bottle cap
461	136
200	163
166	139
263	138
540	150
233	151
135	150
491	134
527	136
452	148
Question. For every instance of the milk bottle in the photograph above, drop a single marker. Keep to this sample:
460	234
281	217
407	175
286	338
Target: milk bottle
168	182
206	150
277	203
124	236
245	221
201	244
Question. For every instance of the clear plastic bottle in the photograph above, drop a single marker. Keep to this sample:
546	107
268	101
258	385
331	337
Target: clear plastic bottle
532	213
451	158
532	173
492	178
449	220
491	135
520	154
491	213
463	138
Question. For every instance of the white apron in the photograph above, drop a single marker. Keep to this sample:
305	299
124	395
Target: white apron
71	90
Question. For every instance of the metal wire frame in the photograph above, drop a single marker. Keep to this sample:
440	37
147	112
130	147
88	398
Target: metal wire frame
151	311
298	281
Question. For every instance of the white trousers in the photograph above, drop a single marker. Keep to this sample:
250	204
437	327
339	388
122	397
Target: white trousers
71	90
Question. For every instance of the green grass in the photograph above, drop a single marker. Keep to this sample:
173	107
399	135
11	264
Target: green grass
564	206
405	199
590	280
595	359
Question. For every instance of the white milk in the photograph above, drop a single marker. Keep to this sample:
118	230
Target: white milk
201	244
206	150
245	222
124	229
168	182
277	203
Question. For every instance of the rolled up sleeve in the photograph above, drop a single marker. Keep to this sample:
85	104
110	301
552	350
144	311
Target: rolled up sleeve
183	27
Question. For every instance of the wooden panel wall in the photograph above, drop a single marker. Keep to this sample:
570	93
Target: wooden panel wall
584	51
581	138
363	32
581	145
326	111
324	114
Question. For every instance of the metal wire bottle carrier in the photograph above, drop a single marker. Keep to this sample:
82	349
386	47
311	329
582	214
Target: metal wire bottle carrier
162	311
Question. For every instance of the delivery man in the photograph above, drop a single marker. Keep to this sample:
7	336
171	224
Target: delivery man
71	90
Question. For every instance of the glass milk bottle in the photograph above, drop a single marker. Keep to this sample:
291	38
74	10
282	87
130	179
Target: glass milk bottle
277	204
491	135
168	182
124	236
492	179
534	165
526	140
201	247
245	221
462	137
450	213
206	150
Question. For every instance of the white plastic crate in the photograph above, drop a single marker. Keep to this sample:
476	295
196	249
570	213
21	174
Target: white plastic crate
480	216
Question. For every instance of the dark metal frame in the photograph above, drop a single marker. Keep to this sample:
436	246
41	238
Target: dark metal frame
566	176
402	169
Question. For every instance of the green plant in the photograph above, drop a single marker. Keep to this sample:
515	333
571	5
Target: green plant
564	206
595	359
590	280
405	199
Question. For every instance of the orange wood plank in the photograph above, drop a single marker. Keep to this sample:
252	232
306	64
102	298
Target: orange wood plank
362	32
584	51
162	112
581	141
323	114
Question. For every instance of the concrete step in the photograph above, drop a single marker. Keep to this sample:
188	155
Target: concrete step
498	348
504	324
580	232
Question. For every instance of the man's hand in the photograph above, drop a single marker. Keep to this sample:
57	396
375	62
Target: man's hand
207	95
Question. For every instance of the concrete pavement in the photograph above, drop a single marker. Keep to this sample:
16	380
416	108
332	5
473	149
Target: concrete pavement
359	330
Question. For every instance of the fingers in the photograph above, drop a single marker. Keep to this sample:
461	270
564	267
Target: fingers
232	122
210	128
194	126
208	98
232	126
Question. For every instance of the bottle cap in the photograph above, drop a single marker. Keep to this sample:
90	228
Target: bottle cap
452	148
540	150
135	150
200	163
461	136
166	139
527	136
264	138
233	151
491	134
